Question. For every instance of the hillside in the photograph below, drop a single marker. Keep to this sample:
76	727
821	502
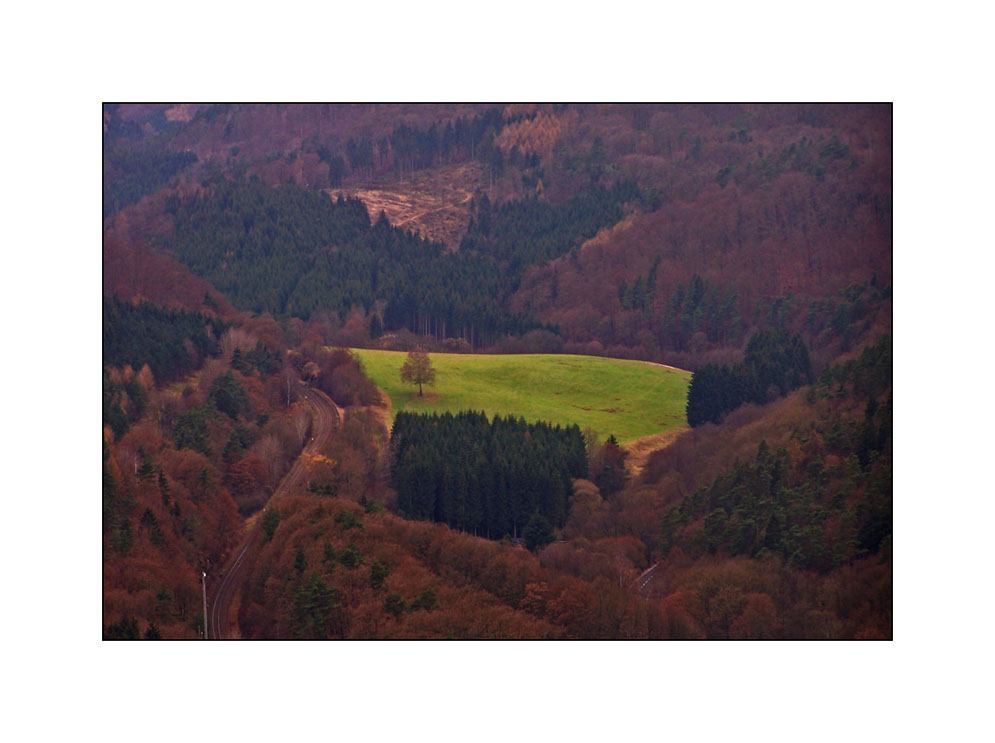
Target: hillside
334	570
552	259
629	399
781	213
775	524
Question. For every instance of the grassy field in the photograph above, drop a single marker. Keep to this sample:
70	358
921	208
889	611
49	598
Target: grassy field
630	399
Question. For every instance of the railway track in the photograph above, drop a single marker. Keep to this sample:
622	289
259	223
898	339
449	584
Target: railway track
222	601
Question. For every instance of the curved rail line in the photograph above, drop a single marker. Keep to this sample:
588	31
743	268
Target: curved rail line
327	415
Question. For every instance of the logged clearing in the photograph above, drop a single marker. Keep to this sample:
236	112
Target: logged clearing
631	399
434	203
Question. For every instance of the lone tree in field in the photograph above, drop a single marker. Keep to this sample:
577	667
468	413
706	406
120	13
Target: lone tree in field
417	369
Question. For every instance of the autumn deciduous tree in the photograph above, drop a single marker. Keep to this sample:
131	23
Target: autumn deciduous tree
323	472
341	377
245	476
758	620
417	369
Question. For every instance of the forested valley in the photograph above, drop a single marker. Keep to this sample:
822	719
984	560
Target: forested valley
750	245
282	250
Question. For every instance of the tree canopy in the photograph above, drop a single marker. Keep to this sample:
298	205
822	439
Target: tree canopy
485	476
290	251
774	364
417	369
172	342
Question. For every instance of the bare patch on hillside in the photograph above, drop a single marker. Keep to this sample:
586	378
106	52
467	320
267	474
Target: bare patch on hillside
384	411
606	235
428	397
181	112
639	450
600	410
434	203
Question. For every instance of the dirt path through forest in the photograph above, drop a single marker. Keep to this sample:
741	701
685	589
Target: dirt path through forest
640	449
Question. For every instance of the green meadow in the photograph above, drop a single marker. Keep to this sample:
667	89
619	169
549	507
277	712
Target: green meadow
630	399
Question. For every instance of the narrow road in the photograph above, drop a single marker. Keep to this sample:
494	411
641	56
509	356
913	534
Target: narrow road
221	625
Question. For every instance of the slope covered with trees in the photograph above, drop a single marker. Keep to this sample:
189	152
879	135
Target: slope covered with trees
335	570
289	251
777	210
172	342
774	364
138	170
182	462
752	244
775	524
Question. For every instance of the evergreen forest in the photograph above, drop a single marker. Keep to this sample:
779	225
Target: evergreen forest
138	170
774	364
172	342
290	251
486	477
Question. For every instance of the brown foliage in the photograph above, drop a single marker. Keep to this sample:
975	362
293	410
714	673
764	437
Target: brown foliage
178	505
464	609
758	621
341	377
792	233
355	331
682	616
771	235
245	476
260	130
538	134
133	270
417	369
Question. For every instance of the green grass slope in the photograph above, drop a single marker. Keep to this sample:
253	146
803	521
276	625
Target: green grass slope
630	399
